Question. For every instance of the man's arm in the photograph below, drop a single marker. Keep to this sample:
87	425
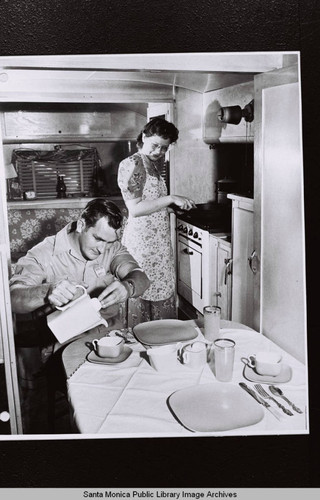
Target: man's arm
132	285
25	299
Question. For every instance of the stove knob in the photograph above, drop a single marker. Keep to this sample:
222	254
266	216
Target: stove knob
180	227
195	235
185	229
190	232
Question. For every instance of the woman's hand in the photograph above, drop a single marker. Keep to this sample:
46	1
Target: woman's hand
182	202
113	294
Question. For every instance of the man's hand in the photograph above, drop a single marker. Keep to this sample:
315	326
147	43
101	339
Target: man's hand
62	292
113	294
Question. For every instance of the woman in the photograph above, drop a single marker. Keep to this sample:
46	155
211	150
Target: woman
147	232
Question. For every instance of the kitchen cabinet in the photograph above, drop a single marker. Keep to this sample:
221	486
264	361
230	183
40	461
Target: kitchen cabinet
242	249
279	278
221	271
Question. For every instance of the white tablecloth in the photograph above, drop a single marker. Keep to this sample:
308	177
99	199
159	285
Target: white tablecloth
130	399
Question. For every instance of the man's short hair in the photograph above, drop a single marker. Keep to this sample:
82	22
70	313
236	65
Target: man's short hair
100	207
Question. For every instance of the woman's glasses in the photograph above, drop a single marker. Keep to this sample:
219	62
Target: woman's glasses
162	149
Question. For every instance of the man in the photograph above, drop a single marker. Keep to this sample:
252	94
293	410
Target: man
86	252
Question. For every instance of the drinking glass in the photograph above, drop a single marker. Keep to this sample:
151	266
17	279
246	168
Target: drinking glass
211	316
224	359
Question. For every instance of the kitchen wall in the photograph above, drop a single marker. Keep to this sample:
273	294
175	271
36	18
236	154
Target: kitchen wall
207	151
193	169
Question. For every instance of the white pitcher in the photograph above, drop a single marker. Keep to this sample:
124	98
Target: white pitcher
76	317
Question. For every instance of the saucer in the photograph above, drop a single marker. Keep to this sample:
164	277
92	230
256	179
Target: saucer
94	358
284	375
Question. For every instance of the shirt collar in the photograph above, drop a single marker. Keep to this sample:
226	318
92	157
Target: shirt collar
64	242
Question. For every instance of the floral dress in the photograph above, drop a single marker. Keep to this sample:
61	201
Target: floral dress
147	237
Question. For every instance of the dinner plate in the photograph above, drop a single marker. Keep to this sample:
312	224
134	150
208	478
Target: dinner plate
94	358
164	331
214	407
283	377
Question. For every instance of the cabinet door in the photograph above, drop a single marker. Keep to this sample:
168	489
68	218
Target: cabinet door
224	280
242	276
189	273
279	211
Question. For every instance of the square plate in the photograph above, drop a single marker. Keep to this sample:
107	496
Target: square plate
94	358
283	377
214	407
164	331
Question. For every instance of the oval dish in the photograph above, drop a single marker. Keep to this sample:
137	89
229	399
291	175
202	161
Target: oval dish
164	331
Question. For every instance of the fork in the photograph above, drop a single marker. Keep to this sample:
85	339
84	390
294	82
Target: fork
264	394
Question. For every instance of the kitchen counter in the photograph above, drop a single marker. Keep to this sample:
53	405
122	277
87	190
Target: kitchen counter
225	237
241	201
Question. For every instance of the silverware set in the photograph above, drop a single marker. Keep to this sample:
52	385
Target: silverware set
261	395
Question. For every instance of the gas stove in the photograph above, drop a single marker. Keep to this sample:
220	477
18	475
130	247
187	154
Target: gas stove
211	217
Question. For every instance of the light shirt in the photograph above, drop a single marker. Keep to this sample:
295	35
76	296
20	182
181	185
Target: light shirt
57	258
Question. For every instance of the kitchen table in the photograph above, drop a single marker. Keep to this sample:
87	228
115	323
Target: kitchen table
130	399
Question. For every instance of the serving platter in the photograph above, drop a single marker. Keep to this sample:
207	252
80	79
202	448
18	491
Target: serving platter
164	331
214	407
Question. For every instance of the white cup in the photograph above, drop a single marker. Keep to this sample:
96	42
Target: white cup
265	363
164	358
194	355
108	347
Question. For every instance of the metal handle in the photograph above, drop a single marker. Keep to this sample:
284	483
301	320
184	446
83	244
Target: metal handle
253	262
294	407
228	269
188	252
283	408
254	394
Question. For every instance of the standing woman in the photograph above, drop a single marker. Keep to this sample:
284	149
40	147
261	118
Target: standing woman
147	232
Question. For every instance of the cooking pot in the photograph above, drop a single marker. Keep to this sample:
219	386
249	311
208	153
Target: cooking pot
225	186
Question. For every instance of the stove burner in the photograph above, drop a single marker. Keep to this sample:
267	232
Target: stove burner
208	222
211	217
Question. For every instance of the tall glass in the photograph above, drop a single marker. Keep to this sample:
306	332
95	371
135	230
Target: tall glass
224	359
211	316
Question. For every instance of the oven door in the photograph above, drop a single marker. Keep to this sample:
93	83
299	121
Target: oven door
190	272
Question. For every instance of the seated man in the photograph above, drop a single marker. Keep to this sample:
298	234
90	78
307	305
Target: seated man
86	252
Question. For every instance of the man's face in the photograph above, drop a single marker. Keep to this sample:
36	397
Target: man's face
96	239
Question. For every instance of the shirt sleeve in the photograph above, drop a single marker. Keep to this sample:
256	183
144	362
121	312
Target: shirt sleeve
28	272
122	263
131	177
31	269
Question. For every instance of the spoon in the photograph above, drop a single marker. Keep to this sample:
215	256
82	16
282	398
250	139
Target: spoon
278	392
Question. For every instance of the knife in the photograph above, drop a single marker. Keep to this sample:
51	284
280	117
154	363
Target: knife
252	393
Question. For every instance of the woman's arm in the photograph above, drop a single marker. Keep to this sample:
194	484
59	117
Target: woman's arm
138	207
